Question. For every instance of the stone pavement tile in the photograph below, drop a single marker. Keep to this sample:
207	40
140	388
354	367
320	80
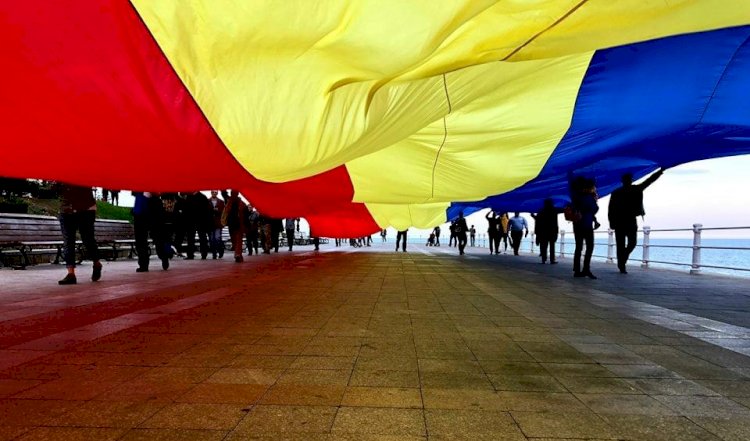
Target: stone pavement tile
388	363
446	352
620	404
563	425
208	360
274	350
721	356
177	374
283	340
8	433
554	352
253	361
439	365
381	421
534	383
641	371
745	401
139	359
65	389
382	397
598	385
729	388
384	378
304	395
671	386
224	393
245	376
313	362
388	348
503	400
372	437
10	386
138	390
658	428
577	370
729	428
286	419
512	367
703	406
315	376
196	416
278	436
173	435
72	434
452	423
455	380
503	351
331	350
19	412
108	414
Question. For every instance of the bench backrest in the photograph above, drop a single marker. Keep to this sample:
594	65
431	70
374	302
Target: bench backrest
16	228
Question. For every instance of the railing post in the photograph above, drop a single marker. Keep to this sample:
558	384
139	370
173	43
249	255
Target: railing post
646	234
532	243
695	268
610	245
562	243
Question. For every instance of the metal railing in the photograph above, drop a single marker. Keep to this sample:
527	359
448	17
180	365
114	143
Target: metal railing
695	264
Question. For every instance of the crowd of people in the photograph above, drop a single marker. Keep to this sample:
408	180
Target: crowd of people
626	204
173	221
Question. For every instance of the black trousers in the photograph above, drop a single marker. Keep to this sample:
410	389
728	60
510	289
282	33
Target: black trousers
190	232
143	227
83	222
583	235
515	239
461	239
290	238
625	239
545	244
252	240
399	236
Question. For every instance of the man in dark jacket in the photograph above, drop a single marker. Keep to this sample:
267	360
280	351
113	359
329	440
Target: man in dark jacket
198	219
625	205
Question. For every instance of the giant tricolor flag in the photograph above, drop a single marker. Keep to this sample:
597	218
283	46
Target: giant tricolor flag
364	114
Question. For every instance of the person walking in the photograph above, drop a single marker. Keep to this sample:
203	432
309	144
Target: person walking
214	238
517	225
251	230
472	235
289	228
235	212
584	206
461	231
436	230
399	236
148	220
504	231
546	229
77	213
199	220
625	205
493	231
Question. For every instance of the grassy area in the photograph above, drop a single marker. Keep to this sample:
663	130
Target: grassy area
105	210
51	207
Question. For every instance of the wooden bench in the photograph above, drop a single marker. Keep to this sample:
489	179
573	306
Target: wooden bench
24	237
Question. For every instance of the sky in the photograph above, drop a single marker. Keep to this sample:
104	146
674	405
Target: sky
714	192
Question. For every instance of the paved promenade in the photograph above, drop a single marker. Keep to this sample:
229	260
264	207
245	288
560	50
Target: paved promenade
369	344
